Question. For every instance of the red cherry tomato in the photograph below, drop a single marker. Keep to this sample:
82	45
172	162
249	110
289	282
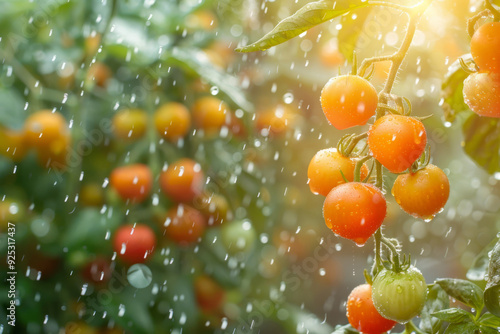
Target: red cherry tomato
183	180
209	294
363	315
397	141
354	211
184	224
133	182
134	243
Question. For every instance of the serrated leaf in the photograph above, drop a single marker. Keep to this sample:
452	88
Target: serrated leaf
301	321
453	315
482	141
461	328
492	290
352	29
489	320
467	292
437	300
196	60
479	268
451	90
305	18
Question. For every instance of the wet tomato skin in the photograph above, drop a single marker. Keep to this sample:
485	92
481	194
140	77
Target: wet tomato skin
134	243
363	315
348	100
397	141
132	182
481	93
484	47
209	294
422	194
355	211
184	224
183	180
324	171
399	296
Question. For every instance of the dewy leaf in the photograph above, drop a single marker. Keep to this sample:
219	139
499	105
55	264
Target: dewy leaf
489	320
451	90
461	328
492	290
479	268
352	31
467	292
453	315
305	18
482	141
488	330
437	300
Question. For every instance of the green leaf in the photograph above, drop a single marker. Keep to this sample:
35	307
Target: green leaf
492	290
482	141
451	90
305	18
437	300
489	320
195	60
453	315
296	320
488	330
351	31
479	268
467	292
461	328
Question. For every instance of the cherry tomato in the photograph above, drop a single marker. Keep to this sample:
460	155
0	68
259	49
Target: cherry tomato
324	171
45	129
348	100
133	182
215	207
184	224
481	93
134	243
484	47
13	144
172	121
354	211
97	271
238	236
99	73
130	124
362	314
209	294
424	193
274	122
399	296
92	44
209	114
397	141
91	194
330	55
183	180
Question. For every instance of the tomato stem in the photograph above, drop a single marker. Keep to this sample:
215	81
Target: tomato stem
492	9
411	328
359	165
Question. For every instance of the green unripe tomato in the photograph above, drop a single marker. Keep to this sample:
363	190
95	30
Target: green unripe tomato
238	236
399	296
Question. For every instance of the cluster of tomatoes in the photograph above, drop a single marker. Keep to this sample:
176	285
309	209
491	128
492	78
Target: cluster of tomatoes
355	209
481	88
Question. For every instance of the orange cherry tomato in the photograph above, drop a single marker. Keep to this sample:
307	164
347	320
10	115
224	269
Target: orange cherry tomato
422	194
134	243
44	128
397	141
183	180
275	122
209	114
324	171
354	211
13	144
481	93
363	315
130	124
209	294
484	47
184	224
133	182
172	121
348	100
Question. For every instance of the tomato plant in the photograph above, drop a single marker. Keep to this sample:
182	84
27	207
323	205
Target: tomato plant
134	243
363	315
